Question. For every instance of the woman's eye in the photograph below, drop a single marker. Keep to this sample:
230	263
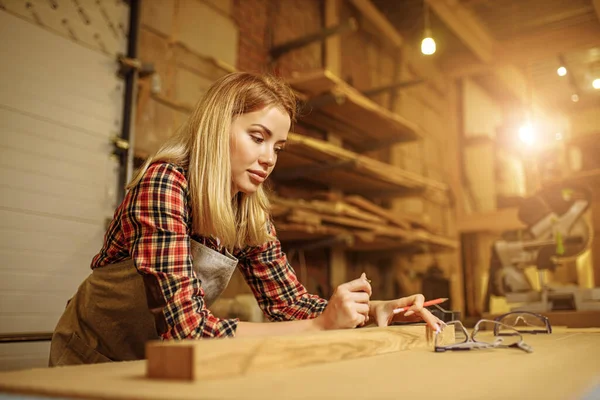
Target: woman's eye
258	139
279	149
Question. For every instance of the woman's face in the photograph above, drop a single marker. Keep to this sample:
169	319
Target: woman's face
256	139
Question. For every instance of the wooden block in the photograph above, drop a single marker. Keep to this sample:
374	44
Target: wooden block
226	358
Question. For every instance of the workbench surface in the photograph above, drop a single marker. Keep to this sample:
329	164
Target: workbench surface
564	365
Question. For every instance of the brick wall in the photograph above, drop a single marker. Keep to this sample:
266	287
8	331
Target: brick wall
265	23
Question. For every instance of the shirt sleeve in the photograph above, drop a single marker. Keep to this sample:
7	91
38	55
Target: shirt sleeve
155	227
274	283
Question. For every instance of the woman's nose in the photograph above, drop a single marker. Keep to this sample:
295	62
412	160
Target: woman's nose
268	157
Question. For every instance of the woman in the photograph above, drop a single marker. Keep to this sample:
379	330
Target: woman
194	211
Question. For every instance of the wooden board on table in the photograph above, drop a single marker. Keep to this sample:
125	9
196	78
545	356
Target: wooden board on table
218	359
562	365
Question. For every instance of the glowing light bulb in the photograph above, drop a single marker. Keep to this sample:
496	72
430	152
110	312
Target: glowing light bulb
574	98
596	83
559	136
527	134
428	45
561	71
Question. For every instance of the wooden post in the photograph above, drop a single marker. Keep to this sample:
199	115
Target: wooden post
333	46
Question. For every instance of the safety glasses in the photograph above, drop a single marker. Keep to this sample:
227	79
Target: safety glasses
522	322
482	337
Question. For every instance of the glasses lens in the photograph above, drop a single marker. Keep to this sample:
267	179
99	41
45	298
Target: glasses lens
522	322
484	332
460	336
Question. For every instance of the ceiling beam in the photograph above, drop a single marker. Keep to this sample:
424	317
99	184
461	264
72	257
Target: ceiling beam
528	49
466	26
507	79
372	14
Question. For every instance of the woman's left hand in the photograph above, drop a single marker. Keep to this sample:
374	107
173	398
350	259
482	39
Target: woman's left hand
382	312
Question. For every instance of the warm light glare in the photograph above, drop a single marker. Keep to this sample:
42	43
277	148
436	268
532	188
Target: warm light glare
428	46
574	98
596	83
526	134
559	136
561	71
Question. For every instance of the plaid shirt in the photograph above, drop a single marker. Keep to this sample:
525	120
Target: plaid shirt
153	227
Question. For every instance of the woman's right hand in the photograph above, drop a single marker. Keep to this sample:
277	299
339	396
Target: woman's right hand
348	306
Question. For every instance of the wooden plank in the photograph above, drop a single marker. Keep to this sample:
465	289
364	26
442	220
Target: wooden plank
563	365
375	209
189	360
379	20
364	175
327	207
356	110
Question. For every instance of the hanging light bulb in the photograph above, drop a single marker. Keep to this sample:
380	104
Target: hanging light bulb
596	83
428	46
561	71
574	97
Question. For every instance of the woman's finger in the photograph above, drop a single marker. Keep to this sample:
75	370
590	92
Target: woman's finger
360	297
358	285
362	308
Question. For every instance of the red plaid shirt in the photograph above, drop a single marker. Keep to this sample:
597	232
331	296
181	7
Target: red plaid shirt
153	227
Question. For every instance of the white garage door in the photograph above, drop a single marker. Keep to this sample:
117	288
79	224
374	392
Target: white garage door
60	103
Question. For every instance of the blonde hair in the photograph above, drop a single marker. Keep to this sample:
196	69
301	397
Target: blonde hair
201	145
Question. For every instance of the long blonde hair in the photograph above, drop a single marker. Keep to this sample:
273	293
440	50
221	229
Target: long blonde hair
201	145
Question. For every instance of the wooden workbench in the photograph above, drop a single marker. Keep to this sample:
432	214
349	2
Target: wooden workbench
564	365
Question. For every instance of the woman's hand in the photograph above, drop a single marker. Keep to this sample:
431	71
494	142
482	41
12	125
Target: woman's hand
348	306
382	312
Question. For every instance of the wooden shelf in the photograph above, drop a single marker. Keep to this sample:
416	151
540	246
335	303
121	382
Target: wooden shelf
335	105
302	223
320	161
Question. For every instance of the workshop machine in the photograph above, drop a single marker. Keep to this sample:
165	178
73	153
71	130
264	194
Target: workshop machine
556	233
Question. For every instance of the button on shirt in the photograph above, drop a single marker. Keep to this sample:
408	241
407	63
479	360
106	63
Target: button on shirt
153	227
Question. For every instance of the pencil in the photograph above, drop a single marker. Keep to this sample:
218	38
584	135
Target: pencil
425	304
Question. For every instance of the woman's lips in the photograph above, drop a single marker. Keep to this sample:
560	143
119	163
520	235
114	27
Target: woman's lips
257	176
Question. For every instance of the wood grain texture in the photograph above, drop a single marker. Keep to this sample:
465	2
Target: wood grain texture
357	111
563	366
223	358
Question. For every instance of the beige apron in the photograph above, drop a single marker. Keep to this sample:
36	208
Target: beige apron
116	310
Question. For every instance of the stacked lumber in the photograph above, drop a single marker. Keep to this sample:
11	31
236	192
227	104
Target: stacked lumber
324	162
370	226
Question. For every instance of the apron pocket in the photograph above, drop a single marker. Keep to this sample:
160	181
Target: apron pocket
78	352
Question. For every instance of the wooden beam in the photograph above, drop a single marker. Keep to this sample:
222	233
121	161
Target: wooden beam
227	358
466	26
373	15
597	8
527	49
333	53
